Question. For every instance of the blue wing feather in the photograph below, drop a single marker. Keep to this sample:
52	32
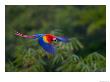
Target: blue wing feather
46	46
38	35
63	39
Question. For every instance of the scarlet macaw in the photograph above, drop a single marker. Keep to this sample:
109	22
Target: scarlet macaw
45	40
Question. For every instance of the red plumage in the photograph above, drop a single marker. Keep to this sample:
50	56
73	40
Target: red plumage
50	37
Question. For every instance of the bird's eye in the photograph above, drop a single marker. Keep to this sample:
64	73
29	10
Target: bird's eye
55	40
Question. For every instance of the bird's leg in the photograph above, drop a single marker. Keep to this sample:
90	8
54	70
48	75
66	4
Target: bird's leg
24	36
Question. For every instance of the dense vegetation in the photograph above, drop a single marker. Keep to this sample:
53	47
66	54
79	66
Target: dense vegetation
85	26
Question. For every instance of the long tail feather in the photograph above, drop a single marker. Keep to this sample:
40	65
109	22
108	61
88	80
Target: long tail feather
22	35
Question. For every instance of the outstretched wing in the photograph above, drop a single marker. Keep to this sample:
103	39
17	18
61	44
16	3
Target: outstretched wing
46	46
63	39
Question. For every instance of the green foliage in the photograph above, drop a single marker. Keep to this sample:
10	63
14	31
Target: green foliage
84	26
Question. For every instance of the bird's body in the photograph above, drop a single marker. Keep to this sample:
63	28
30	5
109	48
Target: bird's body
48	38
45	40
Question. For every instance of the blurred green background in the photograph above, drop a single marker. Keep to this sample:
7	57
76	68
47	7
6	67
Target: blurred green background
85	26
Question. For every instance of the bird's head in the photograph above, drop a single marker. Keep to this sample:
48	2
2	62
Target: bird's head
51	37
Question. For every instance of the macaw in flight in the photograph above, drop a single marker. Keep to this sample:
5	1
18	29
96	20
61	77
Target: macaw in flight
45	40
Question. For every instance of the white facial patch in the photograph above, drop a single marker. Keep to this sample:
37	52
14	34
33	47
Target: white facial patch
54	38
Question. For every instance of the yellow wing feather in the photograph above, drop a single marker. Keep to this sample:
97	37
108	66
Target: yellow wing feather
45	39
